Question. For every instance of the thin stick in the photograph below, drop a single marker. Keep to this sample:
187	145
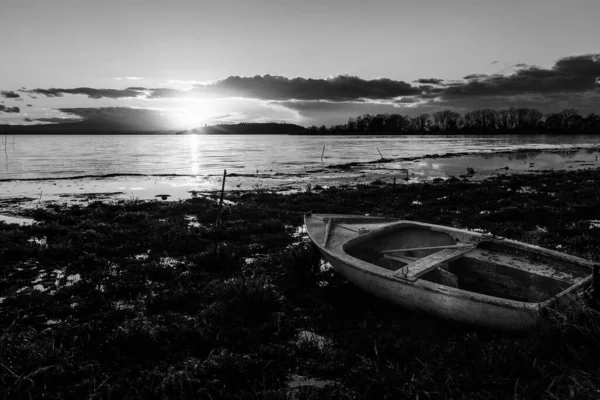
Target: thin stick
379	152
323	152
220	211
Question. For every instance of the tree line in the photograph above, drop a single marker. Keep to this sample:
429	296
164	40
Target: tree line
485	121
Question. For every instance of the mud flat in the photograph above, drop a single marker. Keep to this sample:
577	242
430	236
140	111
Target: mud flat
118	297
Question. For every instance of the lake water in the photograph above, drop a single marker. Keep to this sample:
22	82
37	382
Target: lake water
55	156
48	166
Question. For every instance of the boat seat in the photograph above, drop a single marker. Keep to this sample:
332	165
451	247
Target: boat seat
423	265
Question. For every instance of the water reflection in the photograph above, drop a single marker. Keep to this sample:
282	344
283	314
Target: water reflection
194	158
486	163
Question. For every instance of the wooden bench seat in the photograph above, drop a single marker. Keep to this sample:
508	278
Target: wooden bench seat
423	265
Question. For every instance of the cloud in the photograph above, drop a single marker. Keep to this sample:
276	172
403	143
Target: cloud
495	62
571	82
569	74
6	109
29	105
337	88
126	118
90	92
131	78
266	87
54	120
432	81
476	76
9	94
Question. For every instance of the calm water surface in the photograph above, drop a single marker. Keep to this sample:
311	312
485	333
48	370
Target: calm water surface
56	156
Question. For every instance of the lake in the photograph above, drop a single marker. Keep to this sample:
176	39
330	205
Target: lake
54	167
57	156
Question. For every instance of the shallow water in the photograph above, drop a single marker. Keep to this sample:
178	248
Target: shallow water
45	168
59	156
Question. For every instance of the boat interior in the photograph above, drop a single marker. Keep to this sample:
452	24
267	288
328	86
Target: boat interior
494	268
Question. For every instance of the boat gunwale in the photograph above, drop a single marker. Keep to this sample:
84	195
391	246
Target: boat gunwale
369	268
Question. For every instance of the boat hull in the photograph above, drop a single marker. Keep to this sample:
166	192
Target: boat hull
439	302
424	295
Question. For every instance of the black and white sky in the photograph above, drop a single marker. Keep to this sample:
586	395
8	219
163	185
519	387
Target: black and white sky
184	63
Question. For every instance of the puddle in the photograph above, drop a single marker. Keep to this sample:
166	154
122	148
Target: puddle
17	220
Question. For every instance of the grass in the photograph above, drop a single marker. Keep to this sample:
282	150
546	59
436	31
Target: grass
157	313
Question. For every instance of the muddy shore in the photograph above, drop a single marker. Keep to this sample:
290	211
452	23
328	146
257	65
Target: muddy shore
116	298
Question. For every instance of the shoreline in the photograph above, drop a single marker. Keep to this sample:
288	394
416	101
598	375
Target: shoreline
330	166
472	166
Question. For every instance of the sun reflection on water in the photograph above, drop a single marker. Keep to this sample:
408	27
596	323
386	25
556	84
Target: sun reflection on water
194	159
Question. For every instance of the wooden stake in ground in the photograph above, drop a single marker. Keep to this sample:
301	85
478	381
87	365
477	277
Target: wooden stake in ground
323	152
218	223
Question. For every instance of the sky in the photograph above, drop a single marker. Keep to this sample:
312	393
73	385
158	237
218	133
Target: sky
184	63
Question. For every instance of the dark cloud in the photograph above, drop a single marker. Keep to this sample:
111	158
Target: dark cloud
89	92
521	65
29	105
408	100
9	94
55	120
495	62
476	76
338	88
166	93
431	81
118	118
6	109
327	112
266	87
570	74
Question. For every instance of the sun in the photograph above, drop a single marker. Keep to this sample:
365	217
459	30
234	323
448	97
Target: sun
192	114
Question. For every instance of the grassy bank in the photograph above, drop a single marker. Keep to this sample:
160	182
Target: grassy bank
130	300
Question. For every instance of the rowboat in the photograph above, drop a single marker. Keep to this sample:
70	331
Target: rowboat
456	274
